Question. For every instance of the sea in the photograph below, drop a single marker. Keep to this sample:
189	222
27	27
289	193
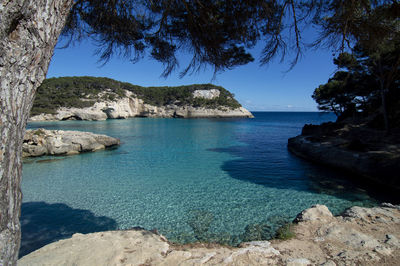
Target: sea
210	180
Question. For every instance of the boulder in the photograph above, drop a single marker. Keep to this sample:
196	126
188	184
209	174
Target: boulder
40	142
315	213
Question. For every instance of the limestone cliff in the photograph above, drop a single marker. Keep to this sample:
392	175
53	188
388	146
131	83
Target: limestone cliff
134	107
110	100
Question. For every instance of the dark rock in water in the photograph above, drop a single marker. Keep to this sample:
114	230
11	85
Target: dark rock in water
355	148
325	129
357	145
49	160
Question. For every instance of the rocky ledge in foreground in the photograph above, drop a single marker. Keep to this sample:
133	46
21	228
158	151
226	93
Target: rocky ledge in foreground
352	147
360	236
40	142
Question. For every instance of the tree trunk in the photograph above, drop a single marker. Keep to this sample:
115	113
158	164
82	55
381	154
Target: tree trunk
28	33
384	109
383	91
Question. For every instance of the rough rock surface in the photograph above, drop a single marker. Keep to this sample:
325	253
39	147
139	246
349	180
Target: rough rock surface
316	213
131	106
354	148
361	236
207	94
40	142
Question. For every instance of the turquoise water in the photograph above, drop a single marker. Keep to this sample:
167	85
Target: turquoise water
224	180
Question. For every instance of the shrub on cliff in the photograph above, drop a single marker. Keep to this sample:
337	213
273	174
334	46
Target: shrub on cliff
83	92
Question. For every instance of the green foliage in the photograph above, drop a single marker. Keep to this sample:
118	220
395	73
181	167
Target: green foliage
345	92
254	232
182	95
83	92
368	79
201	222
77	92
285	232
39	132
222	33
265	230
371	82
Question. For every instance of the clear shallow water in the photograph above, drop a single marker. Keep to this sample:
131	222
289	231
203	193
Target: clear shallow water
199	179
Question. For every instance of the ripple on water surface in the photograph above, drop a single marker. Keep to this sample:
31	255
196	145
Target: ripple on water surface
201	179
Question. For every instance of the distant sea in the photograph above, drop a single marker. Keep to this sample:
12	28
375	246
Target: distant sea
219	180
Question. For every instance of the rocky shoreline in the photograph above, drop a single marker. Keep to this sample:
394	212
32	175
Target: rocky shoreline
40	142
132	106
364	152
360	236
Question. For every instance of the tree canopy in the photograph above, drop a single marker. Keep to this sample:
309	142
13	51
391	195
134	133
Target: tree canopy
370	82
222	33
361	83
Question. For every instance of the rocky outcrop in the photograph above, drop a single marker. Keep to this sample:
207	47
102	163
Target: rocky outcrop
367	153
206	94
361	236
131	106
40	142
316	213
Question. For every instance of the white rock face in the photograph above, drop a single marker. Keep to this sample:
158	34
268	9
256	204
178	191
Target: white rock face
365	213
106	248
315	213
348	236
130	106
40	142
206	94
298	262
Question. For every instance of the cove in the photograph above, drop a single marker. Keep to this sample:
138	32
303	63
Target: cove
219	180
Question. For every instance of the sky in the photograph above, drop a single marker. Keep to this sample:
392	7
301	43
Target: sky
257	88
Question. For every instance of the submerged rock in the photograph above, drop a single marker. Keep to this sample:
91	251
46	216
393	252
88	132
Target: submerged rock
321	239
40	142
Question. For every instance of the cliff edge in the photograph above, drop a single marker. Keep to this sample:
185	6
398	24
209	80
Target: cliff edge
90	98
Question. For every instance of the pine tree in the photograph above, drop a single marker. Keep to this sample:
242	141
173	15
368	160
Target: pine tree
216	33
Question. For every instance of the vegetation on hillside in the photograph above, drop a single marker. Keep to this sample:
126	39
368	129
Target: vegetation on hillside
83	92
367	81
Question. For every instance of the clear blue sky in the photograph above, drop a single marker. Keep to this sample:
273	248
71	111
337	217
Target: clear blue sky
258	88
